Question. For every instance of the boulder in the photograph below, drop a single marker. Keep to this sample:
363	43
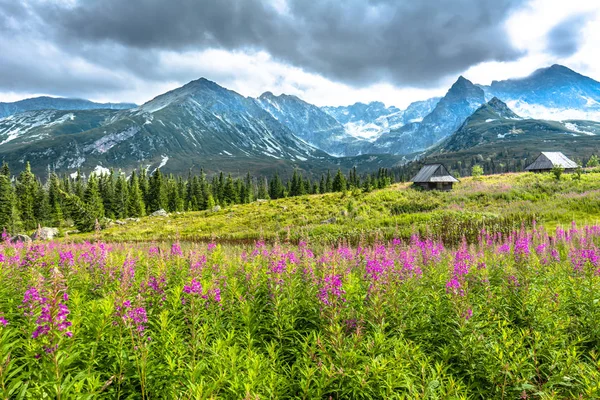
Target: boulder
159	213
119	222
216	208
45	234
20	239
331	220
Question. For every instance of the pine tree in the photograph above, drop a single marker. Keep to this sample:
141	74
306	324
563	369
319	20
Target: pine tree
263	191
276	188
5	170
54	200
26	191
229	192
339	182
106	184
328	183
92	198
78	187
121	197
135	200
8	204
157	197
84	216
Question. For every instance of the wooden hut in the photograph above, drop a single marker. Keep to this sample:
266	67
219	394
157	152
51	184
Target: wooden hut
548	160
434	177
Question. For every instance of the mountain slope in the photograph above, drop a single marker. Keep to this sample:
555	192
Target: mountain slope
556	92
494	126
57	103
450	112
198	125
311	124
370	121
366	121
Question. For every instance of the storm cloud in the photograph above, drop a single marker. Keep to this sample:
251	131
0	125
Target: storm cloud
357	42
564	39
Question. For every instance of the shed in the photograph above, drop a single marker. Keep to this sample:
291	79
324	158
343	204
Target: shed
434	177
548	160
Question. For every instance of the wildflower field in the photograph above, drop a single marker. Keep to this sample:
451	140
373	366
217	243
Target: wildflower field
507	316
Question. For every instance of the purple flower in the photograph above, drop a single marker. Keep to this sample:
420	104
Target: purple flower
3	321
176	250
331	291
454	287
468	314
193	288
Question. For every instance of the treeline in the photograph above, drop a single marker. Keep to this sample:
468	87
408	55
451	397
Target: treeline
26	202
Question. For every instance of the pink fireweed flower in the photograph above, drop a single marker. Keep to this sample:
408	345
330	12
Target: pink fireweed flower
522	248
513	281
49	312
453	286
66	258
3	320
133	317
194	287
176	250
212	246
504	248
468	314
331	290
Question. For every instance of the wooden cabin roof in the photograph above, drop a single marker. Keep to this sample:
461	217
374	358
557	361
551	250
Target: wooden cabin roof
433	173
549	160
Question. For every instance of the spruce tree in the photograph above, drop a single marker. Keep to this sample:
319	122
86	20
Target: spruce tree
26	191
5	170
276	188
339	182
84	216
135	200
92	198
157	197
121	197
8	205
328	182
54	200
229	192
263	191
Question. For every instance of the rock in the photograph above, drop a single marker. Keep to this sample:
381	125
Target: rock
20	239
119	222
133	219
216	208
261	200
159	213
331	220
45	234
71	232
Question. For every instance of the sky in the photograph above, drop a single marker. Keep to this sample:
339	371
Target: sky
327	52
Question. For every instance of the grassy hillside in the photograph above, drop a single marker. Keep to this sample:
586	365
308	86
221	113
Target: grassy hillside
497	203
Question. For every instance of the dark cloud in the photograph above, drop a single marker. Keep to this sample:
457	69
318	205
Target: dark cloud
404	42
564	39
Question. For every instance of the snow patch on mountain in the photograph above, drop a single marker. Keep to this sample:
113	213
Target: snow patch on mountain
99	171
575	128
537	111
106	143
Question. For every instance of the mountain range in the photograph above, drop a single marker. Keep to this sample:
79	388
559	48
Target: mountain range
204	124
